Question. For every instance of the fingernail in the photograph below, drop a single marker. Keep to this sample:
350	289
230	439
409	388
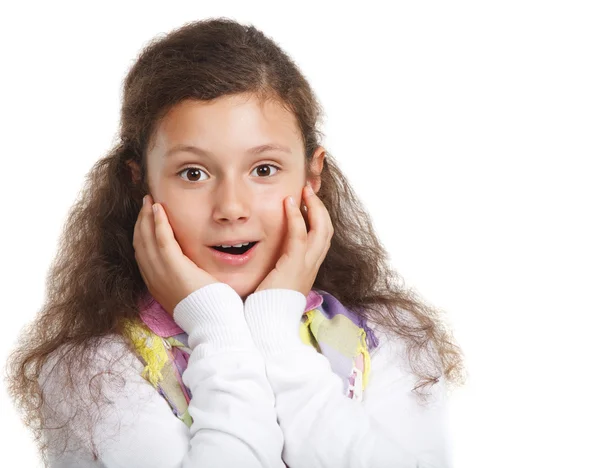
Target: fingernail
155	208
144	200
310	189
292	201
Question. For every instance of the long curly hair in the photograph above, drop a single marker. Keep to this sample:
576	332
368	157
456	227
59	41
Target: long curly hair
94	281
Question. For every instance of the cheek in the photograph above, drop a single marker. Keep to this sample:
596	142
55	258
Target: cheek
186	231
273	220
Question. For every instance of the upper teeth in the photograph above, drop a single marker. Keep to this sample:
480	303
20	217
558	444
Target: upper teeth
237	245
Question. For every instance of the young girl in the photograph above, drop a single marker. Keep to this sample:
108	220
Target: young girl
220	298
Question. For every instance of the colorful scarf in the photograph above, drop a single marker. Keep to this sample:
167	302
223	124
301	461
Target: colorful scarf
333	330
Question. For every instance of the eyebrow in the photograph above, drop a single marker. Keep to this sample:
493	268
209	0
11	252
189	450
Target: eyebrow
252	151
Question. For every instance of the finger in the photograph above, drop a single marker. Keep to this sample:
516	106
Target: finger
321	227
168	247
147	255
147	225
138	236
136	227
296	239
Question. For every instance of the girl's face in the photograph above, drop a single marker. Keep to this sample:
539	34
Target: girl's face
218	190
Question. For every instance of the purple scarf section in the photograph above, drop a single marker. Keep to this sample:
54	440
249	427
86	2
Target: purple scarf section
331	306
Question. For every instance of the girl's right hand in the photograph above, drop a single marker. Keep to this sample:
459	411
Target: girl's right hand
168	273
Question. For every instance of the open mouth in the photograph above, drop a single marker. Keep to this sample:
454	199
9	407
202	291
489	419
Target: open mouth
235	250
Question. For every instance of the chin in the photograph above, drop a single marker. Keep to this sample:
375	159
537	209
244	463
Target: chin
240	285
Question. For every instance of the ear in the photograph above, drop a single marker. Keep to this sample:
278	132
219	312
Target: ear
135	171
316	167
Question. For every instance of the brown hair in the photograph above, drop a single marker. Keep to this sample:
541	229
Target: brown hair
94	280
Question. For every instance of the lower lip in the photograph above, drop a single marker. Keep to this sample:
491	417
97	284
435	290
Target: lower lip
236	260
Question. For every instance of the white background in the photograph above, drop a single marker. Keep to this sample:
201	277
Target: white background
470	130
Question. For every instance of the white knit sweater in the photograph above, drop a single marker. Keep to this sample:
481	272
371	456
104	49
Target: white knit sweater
261	398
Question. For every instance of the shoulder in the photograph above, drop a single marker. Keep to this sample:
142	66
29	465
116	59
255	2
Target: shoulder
393	364
390	346
392	402
390	355
86	396
76	377
68	362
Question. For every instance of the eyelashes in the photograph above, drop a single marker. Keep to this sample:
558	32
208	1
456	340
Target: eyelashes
196	168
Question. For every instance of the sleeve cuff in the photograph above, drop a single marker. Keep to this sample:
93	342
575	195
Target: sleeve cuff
273	317
213	315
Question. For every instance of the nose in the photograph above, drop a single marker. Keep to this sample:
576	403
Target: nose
231	201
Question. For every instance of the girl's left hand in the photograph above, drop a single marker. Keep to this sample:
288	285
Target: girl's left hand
304	252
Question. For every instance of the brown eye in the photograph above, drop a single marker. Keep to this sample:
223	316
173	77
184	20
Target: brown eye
262	172
192	170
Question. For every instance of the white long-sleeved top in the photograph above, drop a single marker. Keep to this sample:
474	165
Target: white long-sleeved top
260	397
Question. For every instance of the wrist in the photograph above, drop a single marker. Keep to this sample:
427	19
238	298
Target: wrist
213	314
273	317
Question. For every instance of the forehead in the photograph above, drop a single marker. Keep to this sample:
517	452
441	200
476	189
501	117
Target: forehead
229	124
